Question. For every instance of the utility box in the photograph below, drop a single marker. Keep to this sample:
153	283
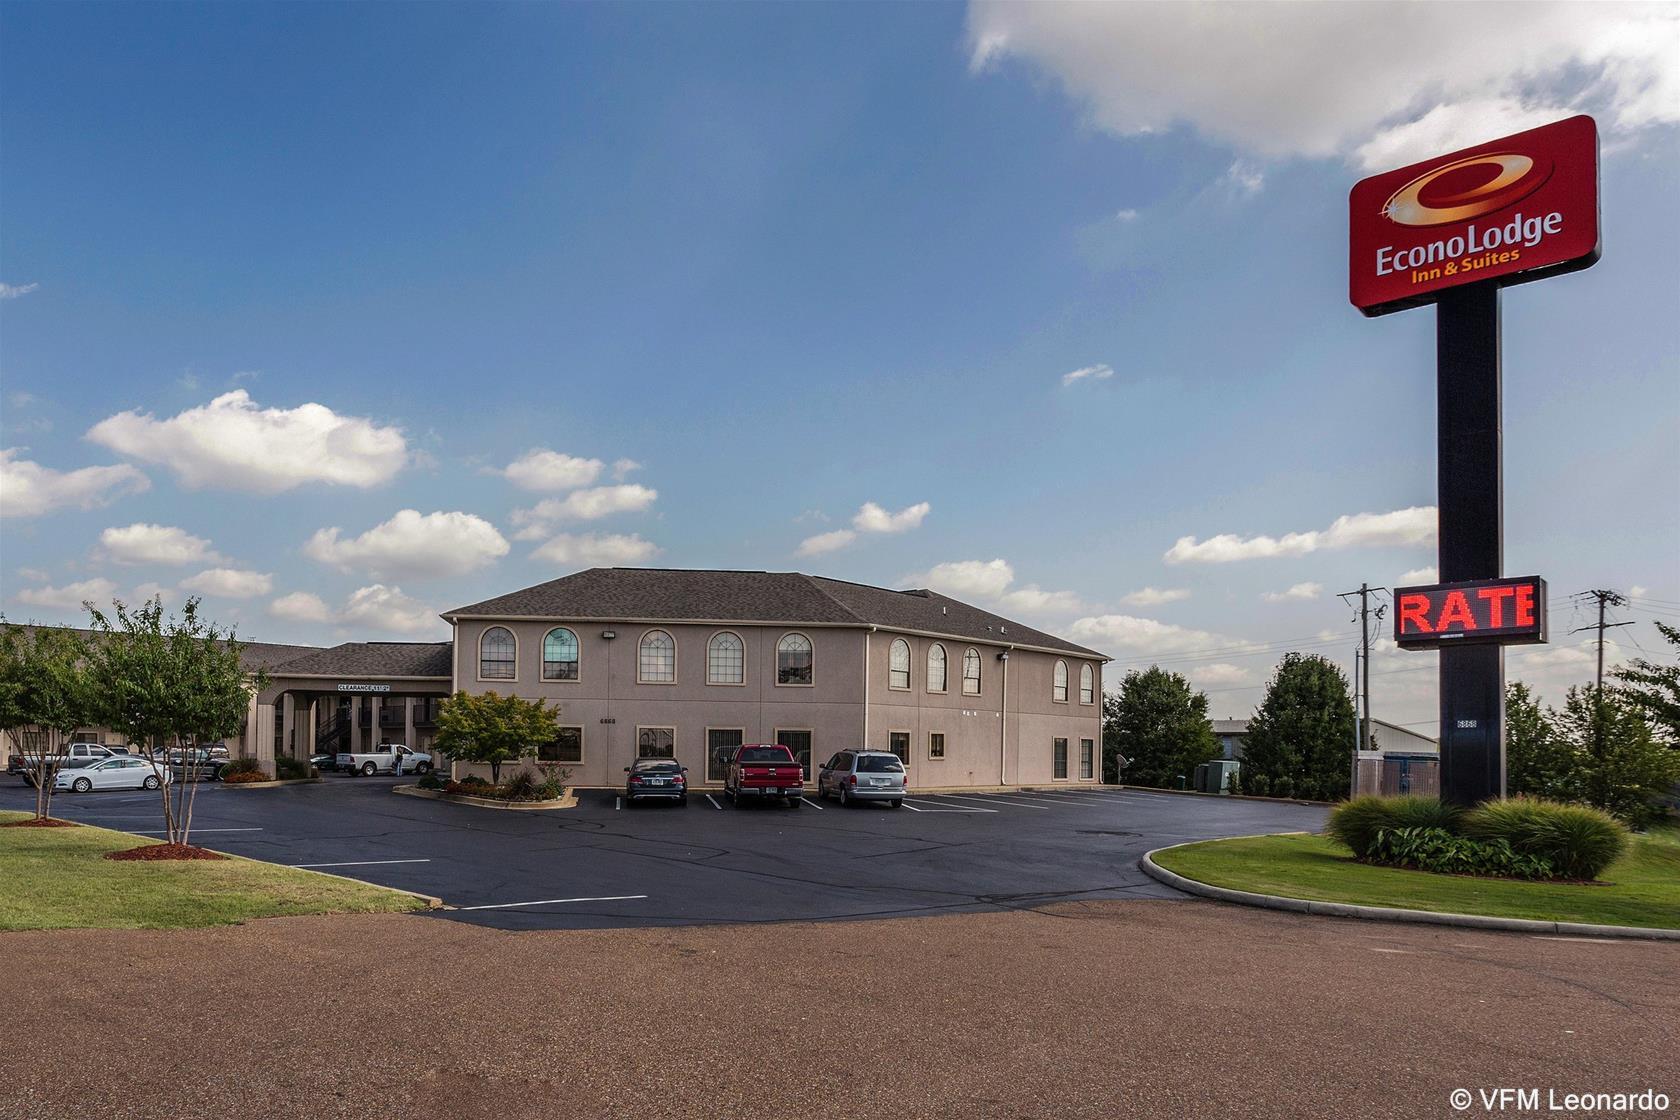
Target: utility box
1215	776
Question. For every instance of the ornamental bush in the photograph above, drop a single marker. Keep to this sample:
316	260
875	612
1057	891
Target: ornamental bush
1578	841
290	768
1437	850
1357	821
244	770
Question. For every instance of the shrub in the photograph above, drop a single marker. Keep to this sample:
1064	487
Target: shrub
522	786
1437	850
1357	821
244	770
430	780
290	768
1578	841
244	776
472	785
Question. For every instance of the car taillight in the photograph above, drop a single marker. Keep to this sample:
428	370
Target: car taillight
680	779
635	779
851	779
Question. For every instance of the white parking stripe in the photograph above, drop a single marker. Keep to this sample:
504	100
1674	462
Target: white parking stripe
913	809
811	803
713	800
1022	798
554	902
361	863
1054	795
618	803
978	801
195	832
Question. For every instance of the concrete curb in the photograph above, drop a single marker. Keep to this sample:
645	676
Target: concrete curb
432	902
567	802
1385	913
272	783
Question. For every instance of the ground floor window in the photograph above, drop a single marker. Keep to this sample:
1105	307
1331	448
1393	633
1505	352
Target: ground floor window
656	742
1058	759
936	744
567	746
898	742
1087	758
799	742
720	744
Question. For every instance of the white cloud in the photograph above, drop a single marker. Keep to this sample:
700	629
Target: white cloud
300	606
1155	596
1638	592
146	592
143	543
36	575
1426	574
1127	215
1409	79
1099	372
413	544
386	608
1220	674
13	291
70	596
826	542
624	468
542	469
1146	636
1299	593
589	550
582	505
1245	177
1412	526
992	582
871	518
230	583
28	489
232	444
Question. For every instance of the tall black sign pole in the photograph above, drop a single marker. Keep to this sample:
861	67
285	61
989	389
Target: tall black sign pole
1472	533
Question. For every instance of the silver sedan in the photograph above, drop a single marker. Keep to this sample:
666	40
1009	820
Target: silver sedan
121	772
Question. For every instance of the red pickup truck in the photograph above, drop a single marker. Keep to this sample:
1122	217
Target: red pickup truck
762	770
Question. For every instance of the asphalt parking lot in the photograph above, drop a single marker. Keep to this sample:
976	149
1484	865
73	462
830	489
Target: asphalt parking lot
607	865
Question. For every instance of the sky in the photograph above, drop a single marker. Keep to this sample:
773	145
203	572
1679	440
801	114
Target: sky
339	316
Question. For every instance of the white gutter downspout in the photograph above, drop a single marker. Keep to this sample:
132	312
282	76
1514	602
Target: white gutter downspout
1003	723
865	743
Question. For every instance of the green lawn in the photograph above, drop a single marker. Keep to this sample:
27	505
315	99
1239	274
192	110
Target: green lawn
1640	889
57	878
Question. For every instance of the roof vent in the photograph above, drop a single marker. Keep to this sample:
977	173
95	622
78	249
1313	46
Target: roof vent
919	592
944	610
1003	629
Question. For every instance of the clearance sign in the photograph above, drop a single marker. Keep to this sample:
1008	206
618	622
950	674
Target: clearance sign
1512	210
1507	611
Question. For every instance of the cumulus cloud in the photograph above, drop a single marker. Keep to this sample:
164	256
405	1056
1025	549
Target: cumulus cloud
233	444
27	489
413	544
992	583
826	542
229	583
143	543
1147	636
1098	372
624	468
300	606
1299	593
386	608
1412	526
588	550
13	291
1220	674
871	517
1155	596
146	592
542	469
1426	574
582	505
1410	79
70	596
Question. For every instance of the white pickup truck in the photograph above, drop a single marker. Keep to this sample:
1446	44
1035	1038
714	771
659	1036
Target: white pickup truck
384	759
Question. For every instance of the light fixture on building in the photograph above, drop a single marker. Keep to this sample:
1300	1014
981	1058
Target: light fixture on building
1004	656
609	635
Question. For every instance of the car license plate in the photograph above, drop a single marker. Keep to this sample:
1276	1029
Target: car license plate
656	781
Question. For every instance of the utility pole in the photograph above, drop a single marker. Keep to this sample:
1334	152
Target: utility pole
1363	673
1606	599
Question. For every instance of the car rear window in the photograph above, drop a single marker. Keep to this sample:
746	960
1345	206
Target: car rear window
763	754
659	768
879	764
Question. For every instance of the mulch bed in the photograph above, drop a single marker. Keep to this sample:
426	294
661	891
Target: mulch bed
166	851
50	822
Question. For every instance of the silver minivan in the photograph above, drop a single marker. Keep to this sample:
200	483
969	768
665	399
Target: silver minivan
863	776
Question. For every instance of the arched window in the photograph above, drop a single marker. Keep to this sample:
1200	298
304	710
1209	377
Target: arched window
560	655
496	651
898	664
1087	685
725	659
793	659
936	668
971	672
1058	687
657	663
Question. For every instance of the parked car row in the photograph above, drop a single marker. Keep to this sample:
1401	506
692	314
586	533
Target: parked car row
770	772
120	771
203	762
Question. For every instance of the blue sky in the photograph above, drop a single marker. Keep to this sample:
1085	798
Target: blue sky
802	287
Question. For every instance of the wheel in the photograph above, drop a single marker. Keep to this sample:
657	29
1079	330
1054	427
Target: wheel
682	801
423	768
896	802
151	782
369	769
845	798
81	785
793	802
740	802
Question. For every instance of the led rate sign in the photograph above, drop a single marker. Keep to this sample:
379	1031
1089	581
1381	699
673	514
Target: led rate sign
1507	611
1511	210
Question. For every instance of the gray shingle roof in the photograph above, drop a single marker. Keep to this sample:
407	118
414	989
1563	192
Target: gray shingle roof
372	659
254	655
676	594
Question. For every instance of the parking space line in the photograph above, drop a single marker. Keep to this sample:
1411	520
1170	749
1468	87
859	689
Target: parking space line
618	803
554	902
713	800
978	801
913	809
1066	798
361	863
1024	798
811	803
195	832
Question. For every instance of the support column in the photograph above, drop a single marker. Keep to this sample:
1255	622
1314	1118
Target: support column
373	722
357	743
312	729
408	723
263	750
288	724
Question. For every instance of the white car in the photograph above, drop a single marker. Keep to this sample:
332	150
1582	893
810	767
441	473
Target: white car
120	772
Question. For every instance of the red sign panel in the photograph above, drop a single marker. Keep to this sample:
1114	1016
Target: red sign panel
1508	611
1512	210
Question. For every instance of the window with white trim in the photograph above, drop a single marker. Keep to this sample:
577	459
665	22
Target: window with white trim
725	659
936	744
794	660
936	668
496	654
1087	685
560	655
657	662
971	672
1058	759
656	742
898	665
1058	685
566	746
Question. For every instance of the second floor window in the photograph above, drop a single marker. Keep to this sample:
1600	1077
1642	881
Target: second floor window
1087	685
971	673
725	659
936	668
560	655
657	663
898	664
496	654
1058	686
793	659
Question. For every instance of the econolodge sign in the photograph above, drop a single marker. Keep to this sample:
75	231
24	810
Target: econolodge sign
1511	210
1507	611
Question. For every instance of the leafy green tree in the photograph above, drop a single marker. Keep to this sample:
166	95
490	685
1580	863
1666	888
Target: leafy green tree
1654	688
44	696
1540	760
1625	771
1159	724
489	729
1300	742
165	681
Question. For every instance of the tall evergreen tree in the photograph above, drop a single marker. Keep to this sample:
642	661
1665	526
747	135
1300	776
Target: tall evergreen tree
1159	724
1300	742
1539	760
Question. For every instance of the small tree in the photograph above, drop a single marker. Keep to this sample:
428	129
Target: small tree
1159	724
1624	770
1300	741
170	682
1654	688
490	729
1539	760
44	696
